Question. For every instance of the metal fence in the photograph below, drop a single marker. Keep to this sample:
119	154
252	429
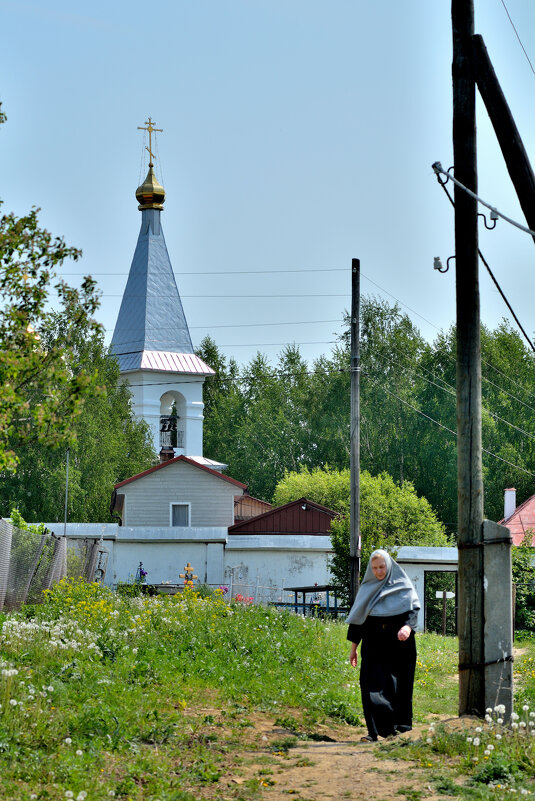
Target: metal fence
29	563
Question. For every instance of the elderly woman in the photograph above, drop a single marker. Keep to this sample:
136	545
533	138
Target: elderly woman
383	619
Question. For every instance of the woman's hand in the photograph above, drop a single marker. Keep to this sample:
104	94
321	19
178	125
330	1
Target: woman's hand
404	633
353	655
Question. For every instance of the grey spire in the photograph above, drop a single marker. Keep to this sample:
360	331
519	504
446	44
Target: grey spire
151	317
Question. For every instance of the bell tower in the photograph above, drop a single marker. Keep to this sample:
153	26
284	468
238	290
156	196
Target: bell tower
151	339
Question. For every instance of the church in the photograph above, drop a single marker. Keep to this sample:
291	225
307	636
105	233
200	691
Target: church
184	510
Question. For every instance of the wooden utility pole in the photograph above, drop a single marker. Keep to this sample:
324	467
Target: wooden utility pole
354	538
469	460
511	144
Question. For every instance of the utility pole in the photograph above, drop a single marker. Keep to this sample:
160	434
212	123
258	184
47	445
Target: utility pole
511	144
354	517
469	457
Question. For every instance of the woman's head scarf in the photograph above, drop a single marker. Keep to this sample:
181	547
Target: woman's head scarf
393	595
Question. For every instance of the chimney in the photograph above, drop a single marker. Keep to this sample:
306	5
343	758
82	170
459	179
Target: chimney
166	454
509	502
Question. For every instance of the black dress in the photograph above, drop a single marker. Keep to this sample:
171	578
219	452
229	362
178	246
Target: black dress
386	672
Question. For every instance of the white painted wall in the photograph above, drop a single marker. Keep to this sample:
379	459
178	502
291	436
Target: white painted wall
147	389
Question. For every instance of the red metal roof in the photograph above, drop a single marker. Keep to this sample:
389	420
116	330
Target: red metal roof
522	519
181	459
291	518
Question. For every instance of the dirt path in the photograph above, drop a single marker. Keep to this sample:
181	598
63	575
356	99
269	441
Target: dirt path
340	767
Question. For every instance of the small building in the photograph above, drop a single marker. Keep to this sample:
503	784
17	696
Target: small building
519	519
297	517
246	507
178	493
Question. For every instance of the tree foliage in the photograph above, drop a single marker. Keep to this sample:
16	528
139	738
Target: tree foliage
390	515
39	395
107	443
265	419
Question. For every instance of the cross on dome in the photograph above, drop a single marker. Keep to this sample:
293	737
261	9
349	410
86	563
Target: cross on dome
150	128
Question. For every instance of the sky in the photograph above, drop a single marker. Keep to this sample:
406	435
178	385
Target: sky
297	135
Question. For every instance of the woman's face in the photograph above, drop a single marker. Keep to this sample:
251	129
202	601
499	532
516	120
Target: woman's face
379	567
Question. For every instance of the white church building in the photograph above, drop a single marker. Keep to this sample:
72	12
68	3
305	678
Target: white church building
180	511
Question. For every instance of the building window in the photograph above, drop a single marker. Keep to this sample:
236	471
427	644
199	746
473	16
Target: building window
180	514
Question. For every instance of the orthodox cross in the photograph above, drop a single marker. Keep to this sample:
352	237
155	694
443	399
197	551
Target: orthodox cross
150	129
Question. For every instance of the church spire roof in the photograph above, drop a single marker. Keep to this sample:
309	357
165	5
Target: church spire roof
151	330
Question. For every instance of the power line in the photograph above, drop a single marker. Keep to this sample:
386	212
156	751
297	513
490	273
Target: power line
239	272
451	431
517	36
528	340
437	167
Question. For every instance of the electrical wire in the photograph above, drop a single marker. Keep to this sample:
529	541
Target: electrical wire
517	36
519	324
243	272
451	431
437	167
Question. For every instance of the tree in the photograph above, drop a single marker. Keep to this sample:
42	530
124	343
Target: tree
39	396
107	443
390	515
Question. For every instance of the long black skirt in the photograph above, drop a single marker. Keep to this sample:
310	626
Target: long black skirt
386	677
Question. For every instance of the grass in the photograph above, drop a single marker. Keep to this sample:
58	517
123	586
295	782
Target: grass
105	696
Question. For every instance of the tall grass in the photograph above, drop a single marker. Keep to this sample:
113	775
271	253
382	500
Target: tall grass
103	695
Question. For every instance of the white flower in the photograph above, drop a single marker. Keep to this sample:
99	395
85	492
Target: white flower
500	721
81	796
429	740
490	747
476	740
488	710
514	716
134	650
468	739
525	708
67	740
488	719
522	724
79	752
500	709
486	752
514	725
532	714
479	729
12	702
50	688
69	794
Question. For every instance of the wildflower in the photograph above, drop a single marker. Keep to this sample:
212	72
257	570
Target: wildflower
522	724
525	708
50	688
500	709
479	729
514	725
468	739
486	752
476	741
488	710
12	702
490	747
67	740
81	796
500	721
514	716
429	740
69	794
79	752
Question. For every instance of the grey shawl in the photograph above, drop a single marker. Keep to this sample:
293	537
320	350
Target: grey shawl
393	595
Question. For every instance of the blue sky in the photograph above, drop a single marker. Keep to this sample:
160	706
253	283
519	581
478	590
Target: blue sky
297	134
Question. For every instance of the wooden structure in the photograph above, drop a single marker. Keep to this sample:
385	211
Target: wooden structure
298	517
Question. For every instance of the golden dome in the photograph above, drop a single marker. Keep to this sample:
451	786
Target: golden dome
150	194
